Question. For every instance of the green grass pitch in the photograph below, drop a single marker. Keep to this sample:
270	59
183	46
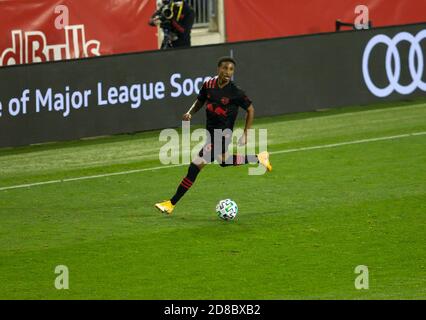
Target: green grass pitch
300	233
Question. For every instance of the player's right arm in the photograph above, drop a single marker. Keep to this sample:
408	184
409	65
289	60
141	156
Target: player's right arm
197	105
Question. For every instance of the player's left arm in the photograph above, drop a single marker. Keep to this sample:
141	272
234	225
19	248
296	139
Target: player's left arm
249	122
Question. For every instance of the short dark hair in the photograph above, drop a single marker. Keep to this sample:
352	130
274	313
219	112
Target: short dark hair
226	59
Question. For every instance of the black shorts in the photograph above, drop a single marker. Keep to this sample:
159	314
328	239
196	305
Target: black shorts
215	146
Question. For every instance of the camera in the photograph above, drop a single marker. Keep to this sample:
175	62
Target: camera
164	17
166	12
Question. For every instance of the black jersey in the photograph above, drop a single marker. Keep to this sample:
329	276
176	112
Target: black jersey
222	103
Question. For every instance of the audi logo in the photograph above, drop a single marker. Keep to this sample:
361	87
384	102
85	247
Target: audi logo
392	55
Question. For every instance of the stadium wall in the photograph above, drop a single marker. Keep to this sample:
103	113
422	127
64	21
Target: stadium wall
51	30
253	19
73	99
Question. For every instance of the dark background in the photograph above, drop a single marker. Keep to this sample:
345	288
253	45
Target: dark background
280	75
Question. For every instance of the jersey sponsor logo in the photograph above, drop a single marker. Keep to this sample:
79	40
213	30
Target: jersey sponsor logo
217	110
224	101
210	107
220	112
32	46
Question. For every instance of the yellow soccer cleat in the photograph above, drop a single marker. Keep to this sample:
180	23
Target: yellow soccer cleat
165	207
264	160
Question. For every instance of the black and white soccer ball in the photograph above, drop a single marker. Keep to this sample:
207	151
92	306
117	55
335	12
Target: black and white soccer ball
227	209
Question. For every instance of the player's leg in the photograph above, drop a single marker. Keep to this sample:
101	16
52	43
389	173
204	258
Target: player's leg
226	159
237	159
204	157
188	180
186	183
264	160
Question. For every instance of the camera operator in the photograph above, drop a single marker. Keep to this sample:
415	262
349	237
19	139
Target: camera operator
176	19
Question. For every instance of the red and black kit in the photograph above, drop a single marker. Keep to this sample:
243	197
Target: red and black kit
222	103
221	112
222	109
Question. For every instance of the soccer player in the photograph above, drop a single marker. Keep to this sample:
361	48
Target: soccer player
222	98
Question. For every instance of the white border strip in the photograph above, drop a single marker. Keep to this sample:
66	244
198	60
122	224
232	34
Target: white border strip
325	146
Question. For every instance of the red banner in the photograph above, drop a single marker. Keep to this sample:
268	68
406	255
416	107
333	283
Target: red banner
47	30
255	19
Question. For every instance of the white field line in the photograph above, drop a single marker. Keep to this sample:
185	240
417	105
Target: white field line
324	146
415	106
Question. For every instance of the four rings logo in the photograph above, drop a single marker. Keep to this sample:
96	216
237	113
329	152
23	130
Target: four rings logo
392	55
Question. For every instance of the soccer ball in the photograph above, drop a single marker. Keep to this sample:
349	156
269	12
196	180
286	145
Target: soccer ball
227	209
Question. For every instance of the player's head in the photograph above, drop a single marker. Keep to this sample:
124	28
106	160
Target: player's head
225	68
226	60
